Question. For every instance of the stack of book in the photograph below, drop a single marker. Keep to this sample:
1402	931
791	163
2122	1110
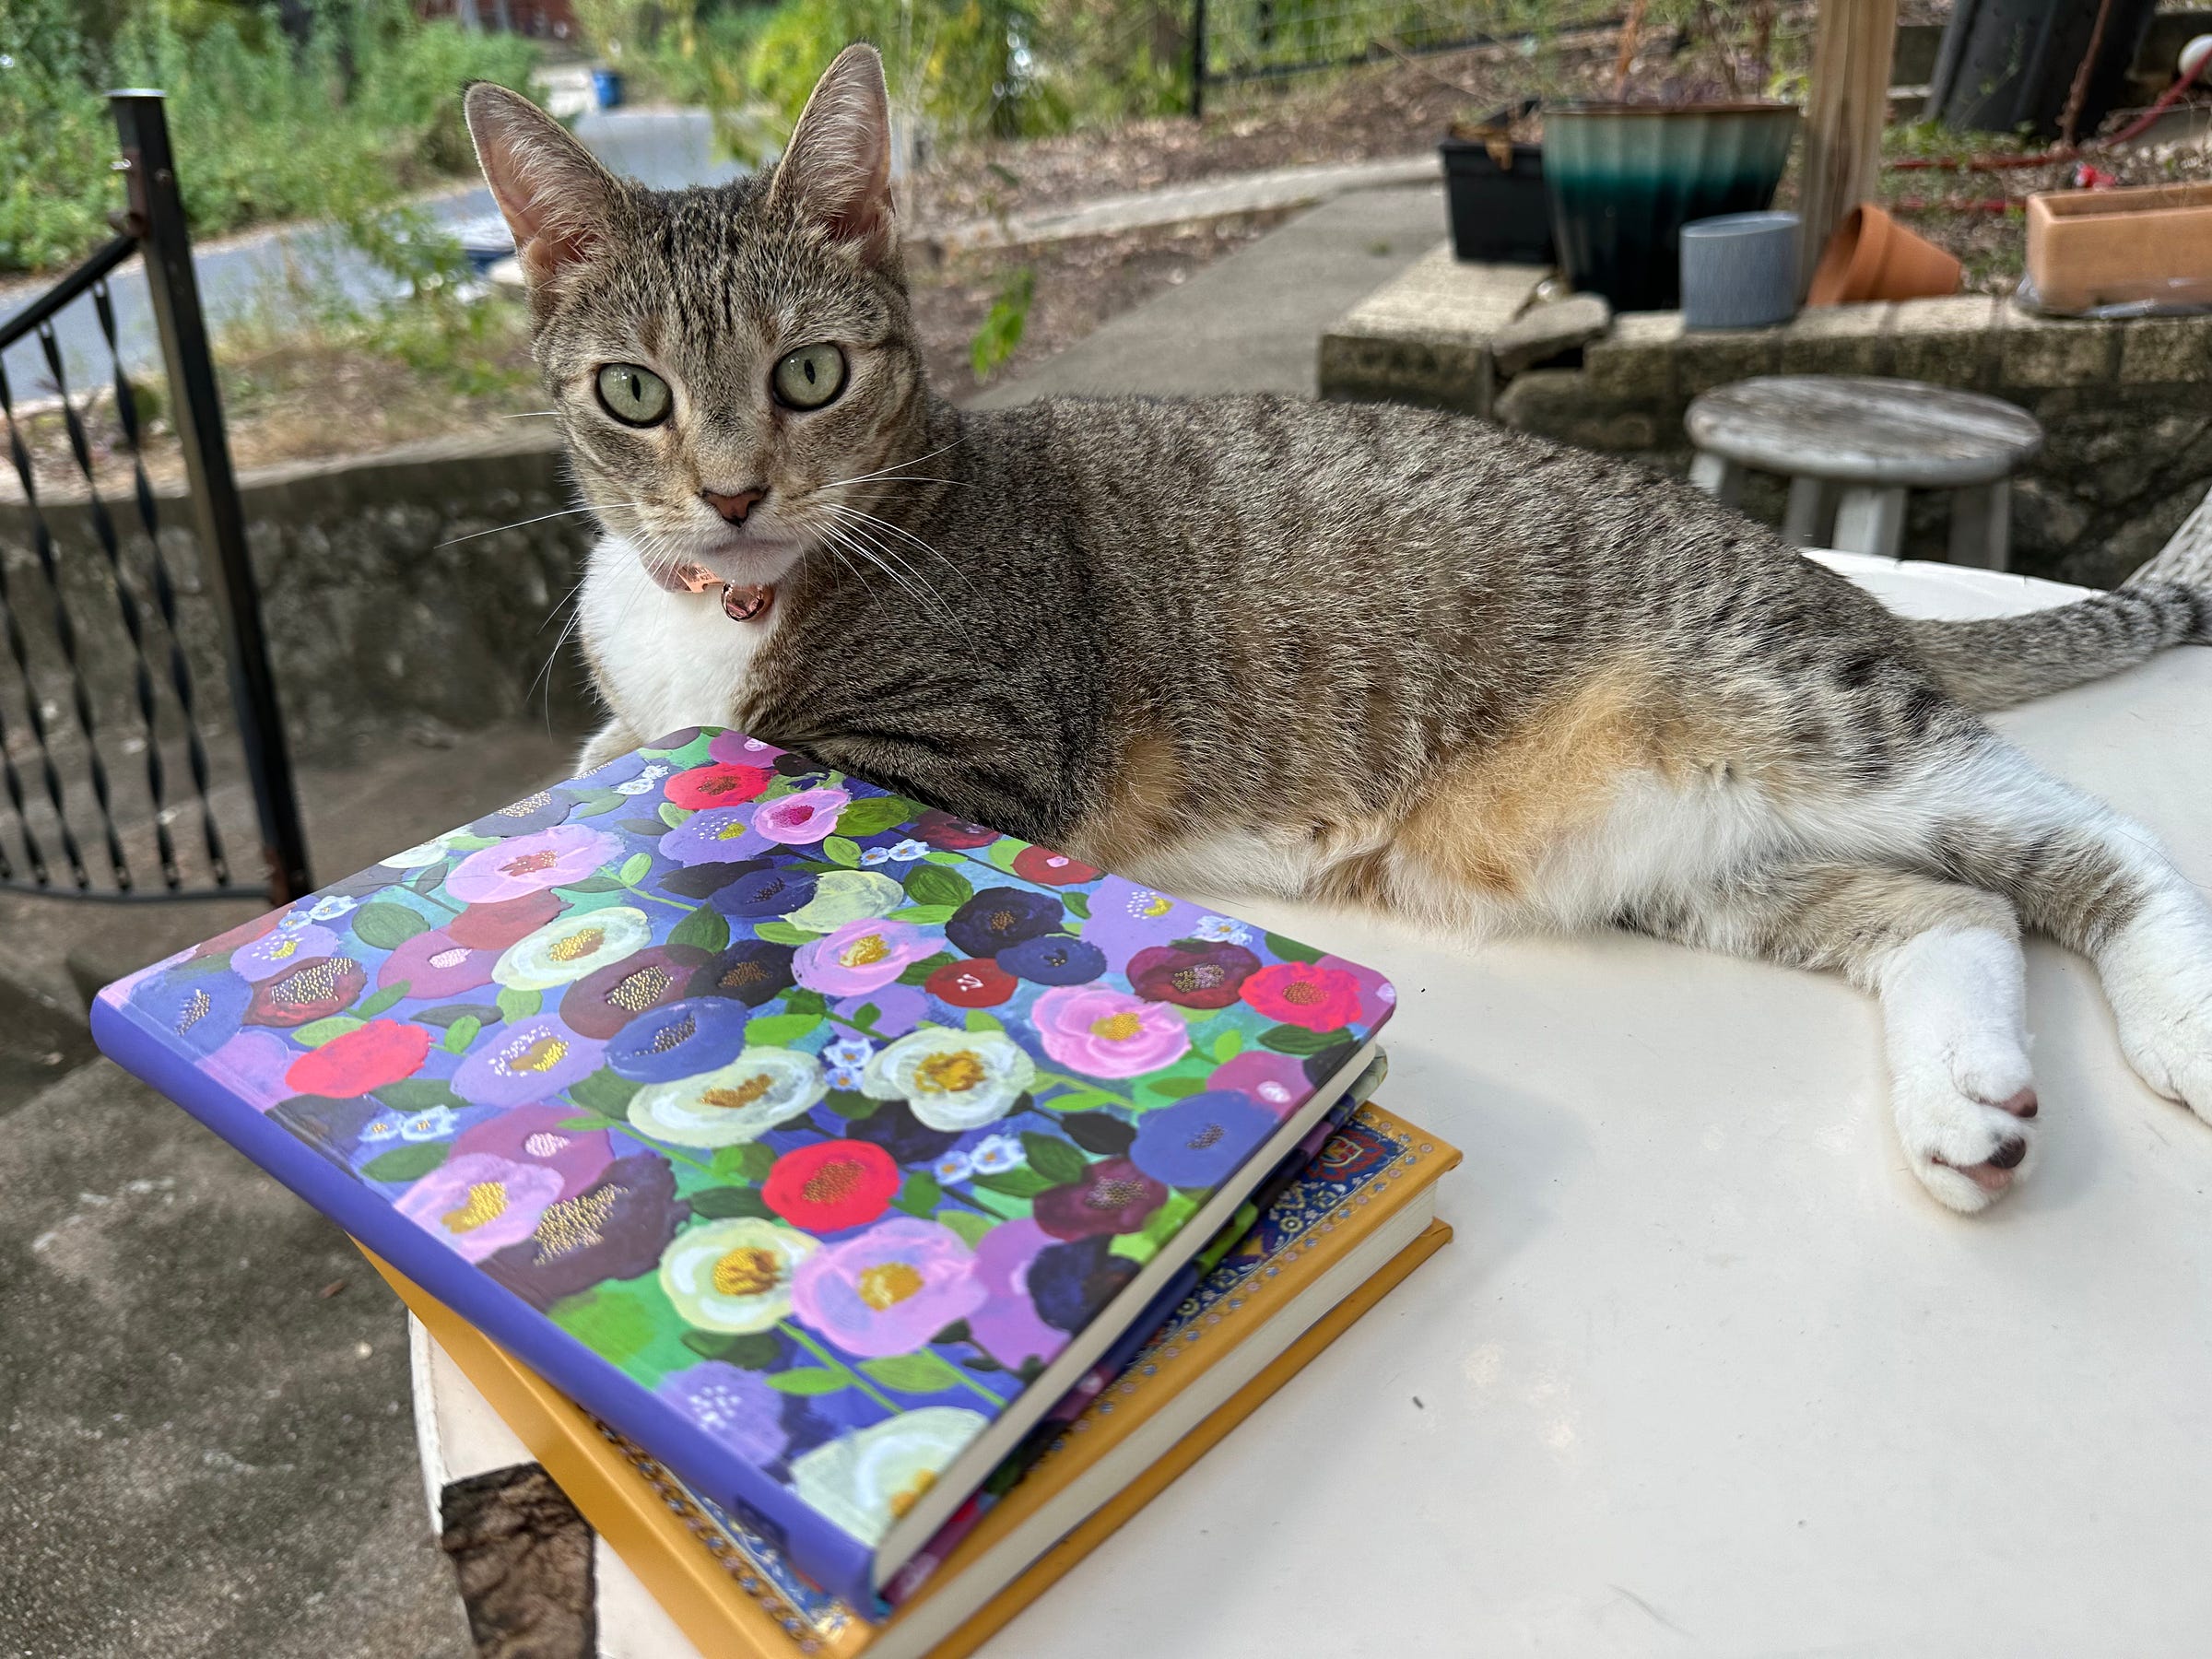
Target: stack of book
858	1211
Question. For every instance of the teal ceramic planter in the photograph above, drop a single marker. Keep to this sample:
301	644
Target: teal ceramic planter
1626	178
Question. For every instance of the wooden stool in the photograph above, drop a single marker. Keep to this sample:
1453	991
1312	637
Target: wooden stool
1874	439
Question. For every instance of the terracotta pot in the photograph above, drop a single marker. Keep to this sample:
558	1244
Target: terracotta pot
2149	246
1872	256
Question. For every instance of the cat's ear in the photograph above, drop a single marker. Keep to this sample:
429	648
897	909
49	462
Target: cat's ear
837	168
556	198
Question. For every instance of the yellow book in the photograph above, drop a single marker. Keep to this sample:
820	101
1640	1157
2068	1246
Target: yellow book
1329	1248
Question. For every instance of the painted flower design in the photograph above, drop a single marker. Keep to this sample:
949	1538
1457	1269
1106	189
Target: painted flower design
734	1276
534	1135
434	965
330	907
760	1088
1221	930
717	835
1192	974
603	1002
1378	996
770	891
1108	1033
617	1228
420	856
1007	1326
843	896
1048	868
477	1204
524	1062
564	951
952	1168
1001	916
865	1480
952	1080
381	1052
979	982
251	1066
1277	1081
435	1124
315	989
271	954
831	1185
1114	1196
1071	1284
861	956
679	1039
844	1061
525	816
531	864
751	972
1054	959
1305	994
495	925
737	1407
1125	918
193	1007
953	834
718	784
995	1154
802	818
1202	1138
889	1290
734	748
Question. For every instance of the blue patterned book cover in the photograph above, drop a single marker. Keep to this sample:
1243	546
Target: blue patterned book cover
793	1127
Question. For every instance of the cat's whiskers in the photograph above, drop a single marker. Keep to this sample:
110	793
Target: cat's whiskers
880	557
894	466
890	557
541	518
904	534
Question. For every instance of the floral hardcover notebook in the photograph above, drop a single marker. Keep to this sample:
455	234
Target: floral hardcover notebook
815	1139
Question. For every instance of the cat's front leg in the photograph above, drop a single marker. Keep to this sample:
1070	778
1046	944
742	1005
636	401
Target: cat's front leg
611	740
1945	959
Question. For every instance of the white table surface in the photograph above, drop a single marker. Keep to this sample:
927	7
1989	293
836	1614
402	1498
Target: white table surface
1705	1372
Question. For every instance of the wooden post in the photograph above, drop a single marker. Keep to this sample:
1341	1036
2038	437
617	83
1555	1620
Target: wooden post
1843	124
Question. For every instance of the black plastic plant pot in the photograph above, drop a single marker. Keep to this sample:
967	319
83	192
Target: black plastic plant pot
1624	179
1498	213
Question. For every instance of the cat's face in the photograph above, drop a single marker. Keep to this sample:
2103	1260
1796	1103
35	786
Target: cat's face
735	368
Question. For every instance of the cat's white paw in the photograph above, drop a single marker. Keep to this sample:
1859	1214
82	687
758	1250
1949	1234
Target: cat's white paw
2159	979
1967	1127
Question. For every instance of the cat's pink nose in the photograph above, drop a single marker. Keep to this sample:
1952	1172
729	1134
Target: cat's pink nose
734	507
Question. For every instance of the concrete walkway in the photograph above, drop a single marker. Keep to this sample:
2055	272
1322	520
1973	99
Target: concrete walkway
1248	323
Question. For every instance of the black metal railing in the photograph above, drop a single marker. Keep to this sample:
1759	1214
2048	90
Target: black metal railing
56	758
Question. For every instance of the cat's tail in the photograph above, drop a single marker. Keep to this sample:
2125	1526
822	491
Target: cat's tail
1994	664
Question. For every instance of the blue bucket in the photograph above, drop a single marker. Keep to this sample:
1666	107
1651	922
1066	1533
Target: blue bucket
606	87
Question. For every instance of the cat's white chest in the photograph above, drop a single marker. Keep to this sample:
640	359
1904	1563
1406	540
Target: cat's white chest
664	661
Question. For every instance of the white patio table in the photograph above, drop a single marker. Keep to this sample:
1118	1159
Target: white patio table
1705	1372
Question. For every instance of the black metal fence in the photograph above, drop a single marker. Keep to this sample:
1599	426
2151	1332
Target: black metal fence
66	827
1239	42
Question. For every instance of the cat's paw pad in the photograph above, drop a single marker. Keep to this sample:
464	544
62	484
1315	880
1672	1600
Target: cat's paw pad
1968	1146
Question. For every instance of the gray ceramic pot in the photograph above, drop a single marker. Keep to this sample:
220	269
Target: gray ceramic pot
1739	270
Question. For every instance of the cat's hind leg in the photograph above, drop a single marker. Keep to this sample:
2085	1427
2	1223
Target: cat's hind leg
1944	961
610	740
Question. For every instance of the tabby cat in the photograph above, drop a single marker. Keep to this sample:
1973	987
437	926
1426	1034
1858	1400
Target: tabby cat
1359	654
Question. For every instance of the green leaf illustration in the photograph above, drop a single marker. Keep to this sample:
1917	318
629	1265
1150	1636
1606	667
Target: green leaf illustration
777	1030
813	1004
482	1013
461	1033
749	1163
370	1007
980	1021
782	933
919	1196
811	1380
966	1223
406	1163
839	850
1227	1046
924	915
596	804
932	884
1174	1088
604	1093
633	868
383	925
921	1372
1297	1040
673	815
917	973
1291	950
1014	1184
852	1106
873	815
590	884
704	929
723	1202
518	1004
317	1032
419	1094
747	1350
1077	904
1059	1162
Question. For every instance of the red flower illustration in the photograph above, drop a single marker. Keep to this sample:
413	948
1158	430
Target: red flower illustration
314	989
1114	1196
717	785
1304	994
980	984
1048	868
833	1186
345	1068
1192	974
951	834
496	926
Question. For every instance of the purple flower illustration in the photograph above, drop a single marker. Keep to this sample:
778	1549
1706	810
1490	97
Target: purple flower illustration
1054	959
1107	1033
734	748
521	1064
889	1290
771	891
714	835
1001	916
679	1040
531	864
271	954
532	1134
199	1010
1276	1081
801	820
737	1407
615	1228
1006	1326
861	956
1201	1139
1114	1196
478	1204
433	965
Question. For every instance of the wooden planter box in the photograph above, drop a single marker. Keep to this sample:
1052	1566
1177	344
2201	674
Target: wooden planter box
2117	247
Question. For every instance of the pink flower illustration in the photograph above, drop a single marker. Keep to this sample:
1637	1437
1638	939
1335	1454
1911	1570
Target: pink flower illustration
252	1064
1305	993
1007	1325
1105	1033
530	863
1276	1081
801	820
890	1290
734	748
434	964
1378	996
477	1203
861	956
271	954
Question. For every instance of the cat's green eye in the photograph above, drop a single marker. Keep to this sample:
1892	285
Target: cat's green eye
809	377
633	396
